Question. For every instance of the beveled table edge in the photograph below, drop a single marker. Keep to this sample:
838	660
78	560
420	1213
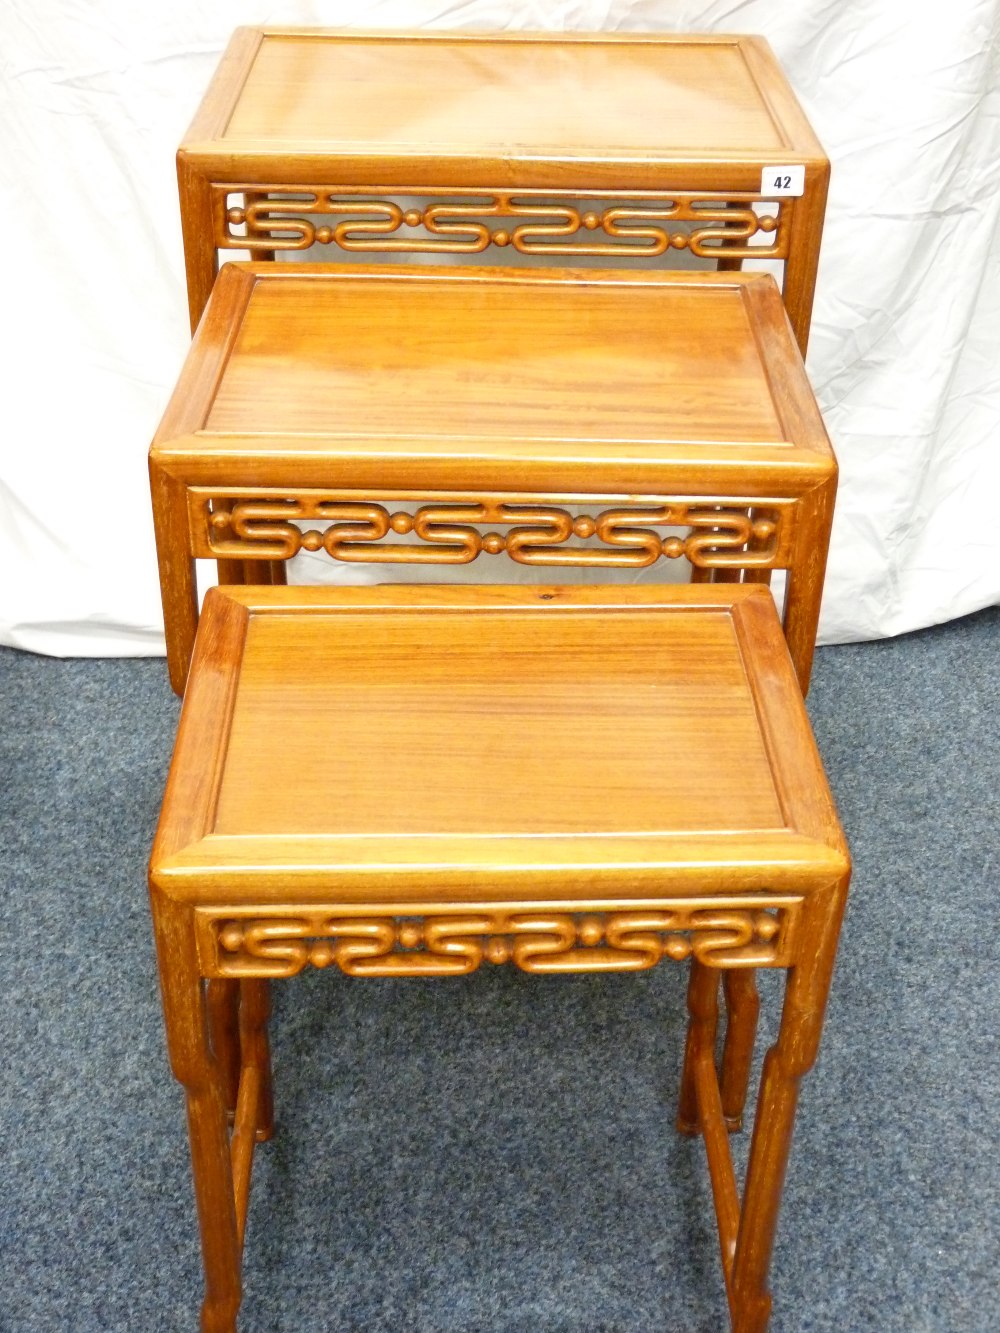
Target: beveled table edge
806	446
203	145
190	862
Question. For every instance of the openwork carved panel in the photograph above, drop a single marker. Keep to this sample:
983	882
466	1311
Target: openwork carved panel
745	932
530	222
714	536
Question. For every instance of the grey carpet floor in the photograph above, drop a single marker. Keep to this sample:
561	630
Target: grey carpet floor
498	1153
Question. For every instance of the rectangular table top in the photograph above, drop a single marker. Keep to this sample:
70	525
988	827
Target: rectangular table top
584	737
474	103
444	377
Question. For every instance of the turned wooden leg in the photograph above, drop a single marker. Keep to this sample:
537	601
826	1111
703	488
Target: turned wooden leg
193	1061
742	1009
255	1010
703	1007
222	1003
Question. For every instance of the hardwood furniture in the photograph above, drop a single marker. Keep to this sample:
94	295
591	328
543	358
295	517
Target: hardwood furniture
560	145
446	415
325	807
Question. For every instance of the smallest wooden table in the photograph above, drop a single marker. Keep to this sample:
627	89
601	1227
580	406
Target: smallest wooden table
412	781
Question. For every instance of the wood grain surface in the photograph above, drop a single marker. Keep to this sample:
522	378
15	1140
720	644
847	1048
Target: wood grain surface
620	363
446	731
466	93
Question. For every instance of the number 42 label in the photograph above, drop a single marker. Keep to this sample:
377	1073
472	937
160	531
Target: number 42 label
778	181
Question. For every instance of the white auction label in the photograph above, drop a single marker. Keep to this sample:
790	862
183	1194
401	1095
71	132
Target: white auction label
777	181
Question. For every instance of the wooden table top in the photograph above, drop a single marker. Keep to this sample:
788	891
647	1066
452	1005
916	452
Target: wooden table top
444	377
472	102
588	736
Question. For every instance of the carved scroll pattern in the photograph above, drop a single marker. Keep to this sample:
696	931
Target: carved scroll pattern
546	223
755	934
447	534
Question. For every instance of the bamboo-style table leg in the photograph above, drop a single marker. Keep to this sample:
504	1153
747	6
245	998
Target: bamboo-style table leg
255	1010
237	1022
222	1006
703	1009
195	1066
746	1234
218	1047
742	1010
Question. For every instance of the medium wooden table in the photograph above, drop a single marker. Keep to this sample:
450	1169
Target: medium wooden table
441	416
341	795
560	145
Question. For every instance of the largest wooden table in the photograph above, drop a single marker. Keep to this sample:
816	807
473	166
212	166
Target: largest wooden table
561	145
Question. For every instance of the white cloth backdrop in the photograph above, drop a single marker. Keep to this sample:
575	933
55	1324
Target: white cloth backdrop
905	358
